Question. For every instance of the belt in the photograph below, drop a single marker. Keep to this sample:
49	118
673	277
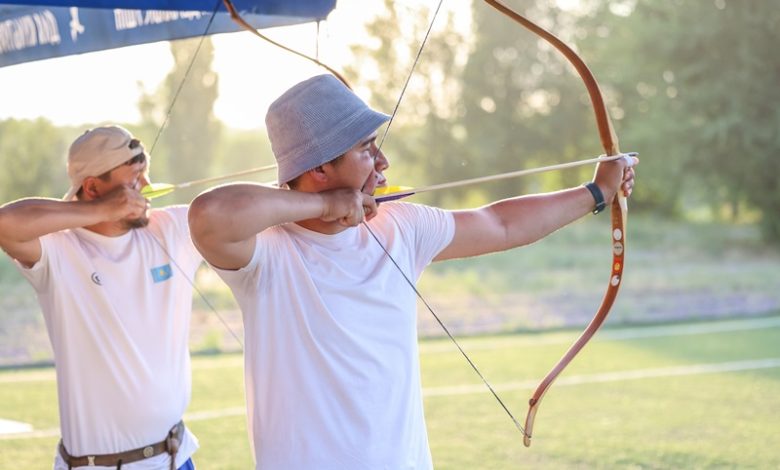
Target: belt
169	445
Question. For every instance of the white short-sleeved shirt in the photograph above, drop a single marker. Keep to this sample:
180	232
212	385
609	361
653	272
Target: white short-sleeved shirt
118	311
332	367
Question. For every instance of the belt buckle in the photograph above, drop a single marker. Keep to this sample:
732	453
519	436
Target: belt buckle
90	460
148	451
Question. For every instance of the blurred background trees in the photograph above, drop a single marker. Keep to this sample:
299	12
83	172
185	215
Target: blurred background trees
692	86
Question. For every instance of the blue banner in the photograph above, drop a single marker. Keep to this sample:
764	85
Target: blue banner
29	33
299	8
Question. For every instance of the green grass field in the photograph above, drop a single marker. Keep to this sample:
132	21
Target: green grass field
677	395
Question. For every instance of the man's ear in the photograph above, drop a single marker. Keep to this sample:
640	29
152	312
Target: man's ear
319	174
89	187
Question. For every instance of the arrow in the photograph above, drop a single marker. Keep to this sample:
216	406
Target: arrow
391	193
156	190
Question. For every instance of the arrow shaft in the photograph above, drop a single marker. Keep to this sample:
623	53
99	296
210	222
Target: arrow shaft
501	176
224	177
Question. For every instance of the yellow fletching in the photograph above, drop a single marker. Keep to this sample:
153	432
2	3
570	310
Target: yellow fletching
385	190
154	190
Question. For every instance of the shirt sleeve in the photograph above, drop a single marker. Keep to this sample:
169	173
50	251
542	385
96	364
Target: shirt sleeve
243	279
429	229
268	244
39	274
179	232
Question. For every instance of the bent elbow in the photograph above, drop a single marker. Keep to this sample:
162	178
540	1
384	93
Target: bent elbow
7	224
201	215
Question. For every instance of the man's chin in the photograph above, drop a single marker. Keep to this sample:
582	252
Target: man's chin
369	188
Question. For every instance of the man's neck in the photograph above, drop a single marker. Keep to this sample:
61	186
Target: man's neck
327	228
109	229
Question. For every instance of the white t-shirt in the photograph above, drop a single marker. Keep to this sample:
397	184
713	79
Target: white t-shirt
118	311
332	368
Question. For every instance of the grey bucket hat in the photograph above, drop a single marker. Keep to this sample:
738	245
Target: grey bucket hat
316	121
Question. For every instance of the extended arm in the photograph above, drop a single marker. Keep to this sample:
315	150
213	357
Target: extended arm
523	220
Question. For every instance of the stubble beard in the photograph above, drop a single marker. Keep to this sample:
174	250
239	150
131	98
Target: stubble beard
140	222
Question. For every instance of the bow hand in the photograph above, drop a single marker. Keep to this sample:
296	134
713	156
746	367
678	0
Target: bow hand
615	176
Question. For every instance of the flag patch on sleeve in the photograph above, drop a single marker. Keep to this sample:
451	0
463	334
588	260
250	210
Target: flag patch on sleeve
162	273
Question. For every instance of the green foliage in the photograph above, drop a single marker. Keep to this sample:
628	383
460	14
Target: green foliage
422	143
185	148
698	85
242	150
524	106
690	85
32	156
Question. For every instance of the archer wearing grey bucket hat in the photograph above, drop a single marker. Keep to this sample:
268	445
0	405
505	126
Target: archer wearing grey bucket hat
315	122
325	280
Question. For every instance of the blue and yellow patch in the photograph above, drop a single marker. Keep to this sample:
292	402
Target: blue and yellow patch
162	273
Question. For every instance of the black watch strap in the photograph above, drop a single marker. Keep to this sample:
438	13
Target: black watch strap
598	196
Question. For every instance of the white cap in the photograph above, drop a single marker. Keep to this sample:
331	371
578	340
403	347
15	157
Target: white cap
96	152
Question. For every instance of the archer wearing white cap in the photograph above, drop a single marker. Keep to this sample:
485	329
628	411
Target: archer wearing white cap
111	277
332	370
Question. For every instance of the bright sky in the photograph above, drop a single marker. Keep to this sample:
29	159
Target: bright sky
105	86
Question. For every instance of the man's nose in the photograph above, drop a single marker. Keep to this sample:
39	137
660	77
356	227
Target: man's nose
381	163
143	180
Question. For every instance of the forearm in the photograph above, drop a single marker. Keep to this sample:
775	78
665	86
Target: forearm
527	219
523	220
514	222
29	219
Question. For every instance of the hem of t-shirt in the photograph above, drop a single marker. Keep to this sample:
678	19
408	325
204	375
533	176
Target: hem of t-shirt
449	218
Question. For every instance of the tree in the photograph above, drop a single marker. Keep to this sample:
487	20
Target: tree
489	100
421	143
187	145
524	105
699	84
32	155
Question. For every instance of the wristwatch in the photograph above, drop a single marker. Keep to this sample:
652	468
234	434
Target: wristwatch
597	196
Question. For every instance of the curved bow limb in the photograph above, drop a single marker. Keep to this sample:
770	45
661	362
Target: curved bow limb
619	209
241	22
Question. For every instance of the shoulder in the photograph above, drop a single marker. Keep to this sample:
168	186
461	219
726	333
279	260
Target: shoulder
170	218
404	212
169	214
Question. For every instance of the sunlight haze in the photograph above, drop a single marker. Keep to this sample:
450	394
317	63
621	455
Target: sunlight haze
105	86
